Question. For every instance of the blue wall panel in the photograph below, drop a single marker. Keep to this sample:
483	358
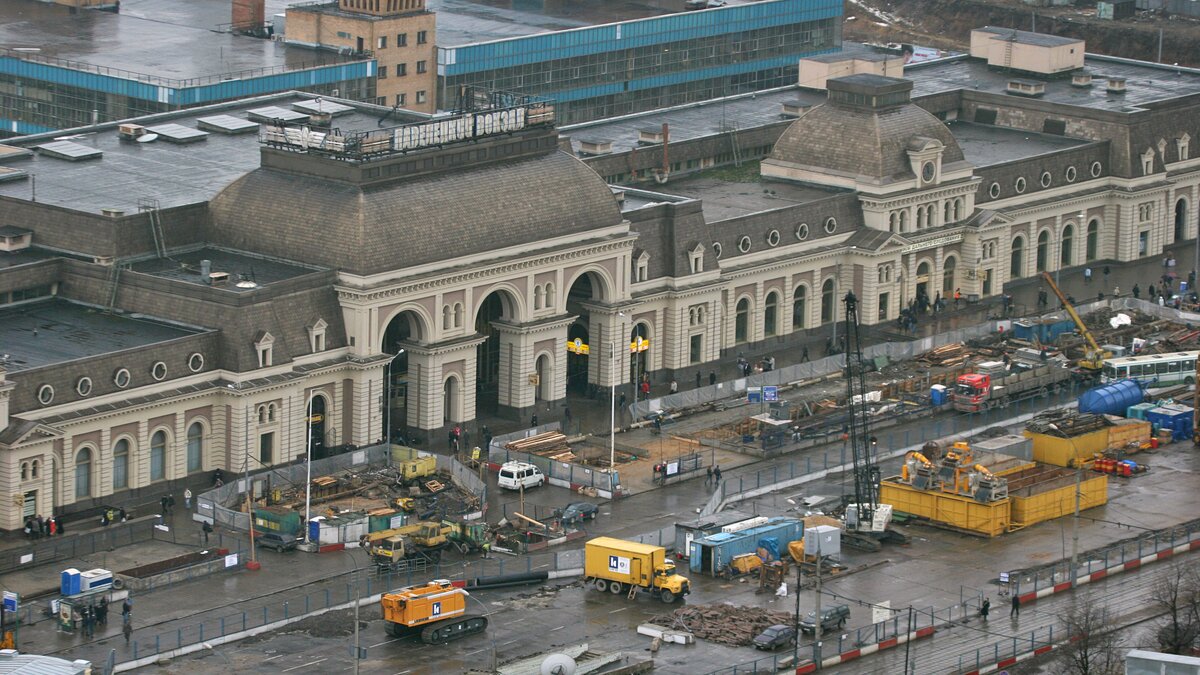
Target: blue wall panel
631	34
78	78
22	128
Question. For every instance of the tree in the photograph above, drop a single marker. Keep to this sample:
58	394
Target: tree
1177	596
1093	647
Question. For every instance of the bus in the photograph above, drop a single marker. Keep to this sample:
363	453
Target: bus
1163	370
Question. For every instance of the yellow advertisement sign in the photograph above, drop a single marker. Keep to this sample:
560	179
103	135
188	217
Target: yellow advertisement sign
639	345
577	346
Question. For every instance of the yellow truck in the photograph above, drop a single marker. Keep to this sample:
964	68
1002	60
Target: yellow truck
619	566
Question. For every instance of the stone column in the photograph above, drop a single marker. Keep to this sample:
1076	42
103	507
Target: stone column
608	362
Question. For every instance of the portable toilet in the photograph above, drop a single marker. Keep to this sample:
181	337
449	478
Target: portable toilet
937	395
70	582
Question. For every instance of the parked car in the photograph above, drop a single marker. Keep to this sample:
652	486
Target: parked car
832	618
276	540
514	475
579	511
775	637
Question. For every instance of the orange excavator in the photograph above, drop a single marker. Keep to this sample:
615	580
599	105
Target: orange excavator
437	610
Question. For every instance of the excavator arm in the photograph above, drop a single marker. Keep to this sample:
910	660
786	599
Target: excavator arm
1095	357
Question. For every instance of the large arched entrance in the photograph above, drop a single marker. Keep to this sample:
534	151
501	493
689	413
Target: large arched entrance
404	328
923	281
948	279
587	287
496	307
544	367
452	400
317	414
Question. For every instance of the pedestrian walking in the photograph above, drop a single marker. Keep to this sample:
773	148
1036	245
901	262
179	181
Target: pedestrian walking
162	505
646	388
717	475
127	609
29	528
708	475
39	526
127	630
102	613
957	298
712	378
673	387
207	529
1016	606
487	437
1107	271
699	380
985	608
1116	291
53	526
804	354
1137	291
187	498
89	622
567	414
622	404
60	525
170	506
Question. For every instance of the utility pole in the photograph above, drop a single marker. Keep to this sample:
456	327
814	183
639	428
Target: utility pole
1075	524
817	619
908	641
253	564
796	622
357	602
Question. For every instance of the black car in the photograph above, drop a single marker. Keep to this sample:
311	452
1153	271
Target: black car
579	511
276	540
832	618
775	637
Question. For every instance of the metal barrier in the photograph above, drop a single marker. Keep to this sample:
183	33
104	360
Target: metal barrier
70	546
1007	649
1034	579
562	472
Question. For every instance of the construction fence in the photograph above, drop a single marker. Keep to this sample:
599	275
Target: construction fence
563	474
1034	579
804	371
70	546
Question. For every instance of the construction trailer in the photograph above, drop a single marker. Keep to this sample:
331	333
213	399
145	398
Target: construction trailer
712	554
723	521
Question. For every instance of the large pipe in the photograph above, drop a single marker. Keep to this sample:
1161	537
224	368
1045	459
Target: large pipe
508	580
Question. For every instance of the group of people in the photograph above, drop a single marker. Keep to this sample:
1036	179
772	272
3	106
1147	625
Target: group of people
746	369
37	527
712	475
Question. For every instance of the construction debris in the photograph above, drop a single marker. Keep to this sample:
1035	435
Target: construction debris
946	355
551	445
730	625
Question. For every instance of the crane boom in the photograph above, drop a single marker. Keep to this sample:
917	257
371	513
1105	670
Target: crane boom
862	446
1094	359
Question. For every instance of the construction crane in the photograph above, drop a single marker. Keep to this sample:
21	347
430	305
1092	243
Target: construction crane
1093	359
866	519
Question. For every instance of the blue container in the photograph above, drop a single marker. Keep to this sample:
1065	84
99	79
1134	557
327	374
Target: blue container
713	554
1138	411
1112	399
1177	418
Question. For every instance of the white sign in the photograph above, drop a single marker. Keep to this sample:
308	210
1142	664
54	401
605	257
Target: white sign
672	468
881	612
932	243
164	528
26	558
231	560
466	127
618	564
205	505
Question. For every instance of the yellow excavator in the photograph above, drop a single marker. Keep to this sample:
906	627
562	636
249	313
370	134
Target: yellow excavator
1093	359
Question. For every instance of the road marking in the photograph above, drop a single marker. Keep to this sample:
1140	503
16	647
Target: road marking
510	642
277	656
618	610
470	653
387	642
559	628
403	672
303	665
541	566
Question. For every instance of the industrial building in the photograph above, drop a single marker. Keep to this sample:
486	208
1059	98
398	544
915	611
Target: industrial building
248	277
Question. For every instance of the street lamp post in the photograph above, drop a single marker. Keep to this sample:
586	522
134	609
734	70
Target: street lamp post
612	427
308	469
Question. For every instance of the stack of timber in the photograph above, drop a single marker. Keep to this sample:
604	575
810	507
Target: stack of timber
946	355
551	445
730	625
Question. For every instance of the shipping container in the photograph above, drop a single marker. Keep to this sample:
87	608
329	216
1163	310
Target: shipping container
700	528
1058	500
963	513
274	519
1174	417
387	521
713	554
1125	433
1067	451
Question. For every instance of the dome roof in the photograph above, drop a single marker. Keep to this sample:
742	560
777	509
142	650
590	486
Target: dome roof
426	219
864	131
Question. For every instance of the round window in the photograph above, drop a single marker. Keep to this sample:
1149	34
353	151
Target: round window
773	237
830	225
1045	181
84	386
1070	174
994	190
802	231
1020	185
1096	168
45	394
196	362
717	249
158	371
927	171
744	244
121	378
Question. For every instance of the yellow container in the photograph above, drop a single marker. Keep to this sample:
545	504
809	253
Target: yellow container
1127	432
1067	451
1060	501
959	512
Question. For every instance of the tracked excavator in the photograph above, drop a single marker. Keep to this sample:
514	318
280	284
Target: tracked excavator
436	610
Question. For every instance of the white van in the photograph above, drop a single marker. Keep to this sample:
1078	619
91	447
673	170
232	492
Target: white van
514	475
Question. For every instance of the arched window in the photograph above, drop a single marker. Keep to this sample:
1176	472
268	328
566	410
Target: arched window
33	471
549	303
24	470
537	297
770	313
195	447
1043	248
1180	220
262	414
948	276
1093	239
1067	246
904	221
120	466
799	307
742	321
458	315
446	316
893	220
158	455
827	301
1016	259
83	473
948	212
